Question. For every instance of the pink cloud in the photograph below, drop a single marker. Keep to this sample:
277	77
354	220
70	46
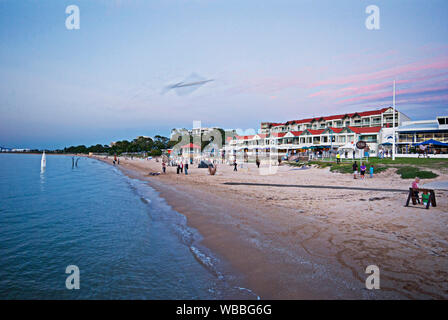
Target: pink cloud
395	72
360	90
387	94
443	97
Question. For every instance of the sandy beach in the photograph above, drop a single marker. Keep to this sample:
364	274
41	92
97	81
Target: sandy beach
310	234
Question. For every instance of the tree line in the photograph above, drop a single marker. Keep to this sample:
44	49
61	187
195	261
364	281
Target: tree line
154	147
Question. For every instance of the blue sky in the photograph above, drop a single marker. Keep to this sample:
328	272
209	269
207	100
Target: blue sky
270	61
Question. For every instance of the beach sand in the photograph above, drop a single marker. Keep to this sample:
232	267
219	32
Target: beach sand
307	240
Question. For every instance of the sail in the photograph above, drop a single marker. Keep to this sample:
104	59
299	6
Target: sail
43	161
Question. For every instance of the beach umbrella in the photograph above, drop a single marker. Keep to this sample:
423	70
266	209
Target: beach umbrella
433	142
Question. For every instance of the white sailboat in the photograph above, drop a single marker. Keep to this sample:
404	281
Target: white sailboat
43	161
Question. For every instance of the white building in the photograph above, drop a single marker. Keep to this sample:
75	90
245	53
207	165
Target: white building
411	133
322	134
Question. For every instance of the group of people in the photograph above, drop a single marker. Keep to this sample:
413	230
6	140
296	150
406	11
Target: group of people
180	167
362	170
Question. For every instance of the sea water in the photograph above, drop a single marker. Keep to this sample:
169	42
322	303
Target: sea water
125	240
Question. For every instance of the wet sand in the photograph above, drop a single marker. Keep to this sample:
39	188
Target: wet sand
294	236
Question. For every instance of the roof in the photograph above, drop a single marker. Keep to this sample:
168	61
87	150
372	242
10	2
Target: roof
315	132
336	130
335	117
245	137
419	126
296	133
190	145
365	129
278	134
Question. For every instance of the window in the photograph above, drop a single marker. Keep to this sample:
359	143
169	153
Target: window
368	138
444	137
405	137
420	137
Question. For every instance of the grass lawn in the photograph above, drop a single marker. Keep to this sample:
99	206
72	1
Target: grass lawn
408	168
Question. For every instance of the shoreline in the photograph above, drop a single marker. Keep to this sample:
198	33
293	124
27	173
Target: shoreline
284	252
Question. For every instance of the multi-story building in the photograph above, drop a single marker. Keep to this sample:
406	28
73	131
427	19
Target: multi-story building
322	133
375	118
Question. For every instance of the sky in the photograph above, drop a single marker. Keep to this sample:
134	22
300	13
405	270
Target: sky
269	61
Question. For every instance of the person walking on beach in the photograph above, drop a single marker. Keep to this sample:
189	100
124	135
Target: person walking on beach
235	165
257	161
371	171
178	167
355	169
338	158
363	170
186	167
164	167
181	166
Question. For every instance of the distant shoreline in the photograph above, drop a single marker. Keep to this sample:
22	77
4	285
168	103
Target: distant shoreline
46	153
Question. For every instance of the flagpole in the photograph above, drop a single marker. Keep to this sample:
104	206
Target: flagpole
393	127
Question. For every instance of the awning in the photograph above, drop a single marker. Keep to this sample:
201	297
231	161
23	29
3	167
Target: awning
432	142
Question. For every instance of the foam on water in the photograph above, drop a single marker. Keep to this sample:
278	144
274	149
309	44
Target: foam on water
190	237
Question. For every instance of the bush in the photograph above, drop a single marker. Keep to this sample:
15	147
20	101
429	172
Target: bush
412	172
156	153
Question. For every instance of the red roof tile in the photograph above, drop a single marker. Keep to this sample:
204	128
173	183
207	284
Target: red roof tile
365	129
334	117
296	133
315	132
190	145
244	137
336	130
278	134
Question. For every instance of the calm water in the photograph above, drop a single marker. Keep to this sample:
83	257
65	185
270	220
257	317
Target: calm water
127	242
